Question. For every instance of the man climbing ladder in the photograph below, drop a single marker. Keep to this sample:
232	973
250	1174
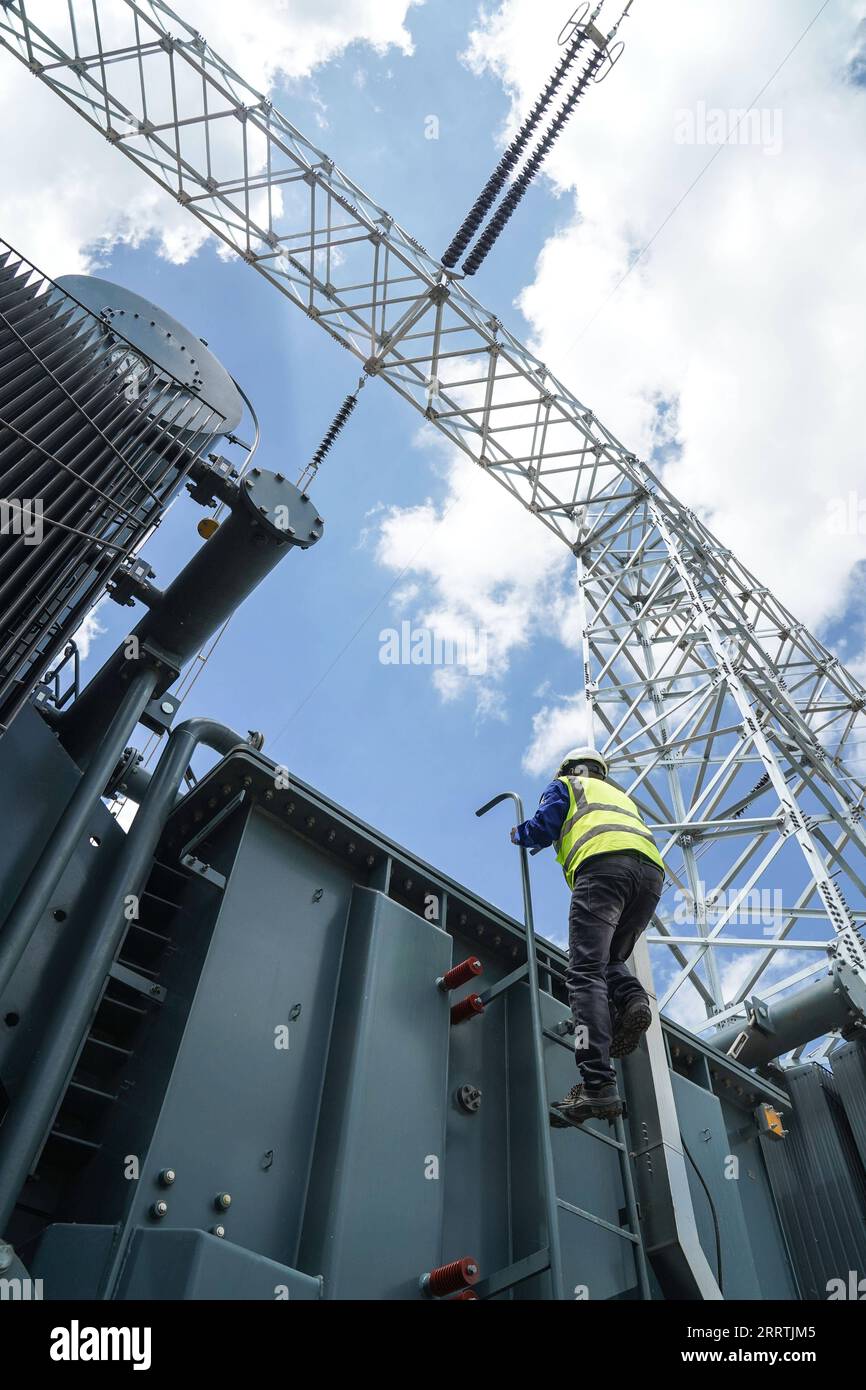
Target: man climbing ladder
616	876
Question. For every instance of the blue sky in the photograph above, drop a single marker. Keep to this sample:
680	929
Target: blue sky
741	329
375	737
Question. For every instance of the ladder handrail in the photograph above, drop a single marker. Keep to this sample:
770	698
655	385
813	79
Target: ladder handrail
538	1032
538	1055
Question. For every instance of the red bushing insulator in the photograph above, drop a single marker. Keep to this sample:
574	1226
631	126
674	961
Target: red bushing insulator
467	1008
461	974
467	1293
453	1278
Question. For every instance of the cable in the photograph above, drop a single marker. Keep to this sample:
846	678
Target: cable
636	259
712	1213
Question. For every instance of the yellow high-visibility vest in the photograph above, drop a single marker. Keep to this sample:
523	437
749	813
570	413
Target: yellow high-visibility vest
600	820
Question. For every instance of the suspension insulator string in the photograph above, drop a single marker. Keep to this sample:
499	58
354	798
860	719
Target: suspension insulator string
338	424
496	182
504	213
601	63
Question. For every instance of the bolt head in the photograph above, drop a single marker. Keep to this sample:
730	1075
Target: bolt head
218	1231
167	707
159	1210
167	1177
223	1201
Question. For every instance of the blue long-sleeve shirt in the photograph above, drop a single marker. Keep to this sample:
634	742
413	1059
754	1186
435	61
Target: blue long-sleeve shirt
545	826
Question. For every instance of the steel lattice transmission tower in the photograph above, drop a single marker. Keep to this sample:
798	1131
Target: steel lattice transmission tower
730	721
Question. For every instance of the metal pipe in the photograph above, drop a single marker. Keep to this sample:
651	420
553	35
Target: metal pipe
66	836
542	1106
133	781
774	1029
32	1111
268	518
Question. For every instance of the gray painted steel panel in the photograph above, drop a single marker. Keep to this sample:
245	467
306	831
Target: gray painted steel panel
819	1193
366	1091
374	1218
240	1108
38	781
478	1190
849	1073
765	1233
715	1193
71	1260
195	1265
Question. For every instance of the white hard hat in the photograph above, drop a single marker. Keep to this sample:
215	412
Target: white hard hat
583	755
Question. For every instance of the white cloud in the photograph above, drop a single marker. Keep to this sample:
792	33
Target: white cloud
745	311
476	564
742	320
555	729
66	194
687	1007
89	631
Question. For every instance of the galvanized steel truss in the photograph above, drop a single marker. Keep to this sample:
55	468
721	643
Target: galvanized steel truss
729	721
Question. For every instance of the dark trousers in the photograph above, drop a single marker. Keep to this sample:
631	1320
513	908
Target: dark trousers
613	899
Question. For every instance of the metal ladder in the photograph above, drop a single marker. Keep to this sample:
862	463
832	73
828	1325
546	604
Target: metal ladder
548	1257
